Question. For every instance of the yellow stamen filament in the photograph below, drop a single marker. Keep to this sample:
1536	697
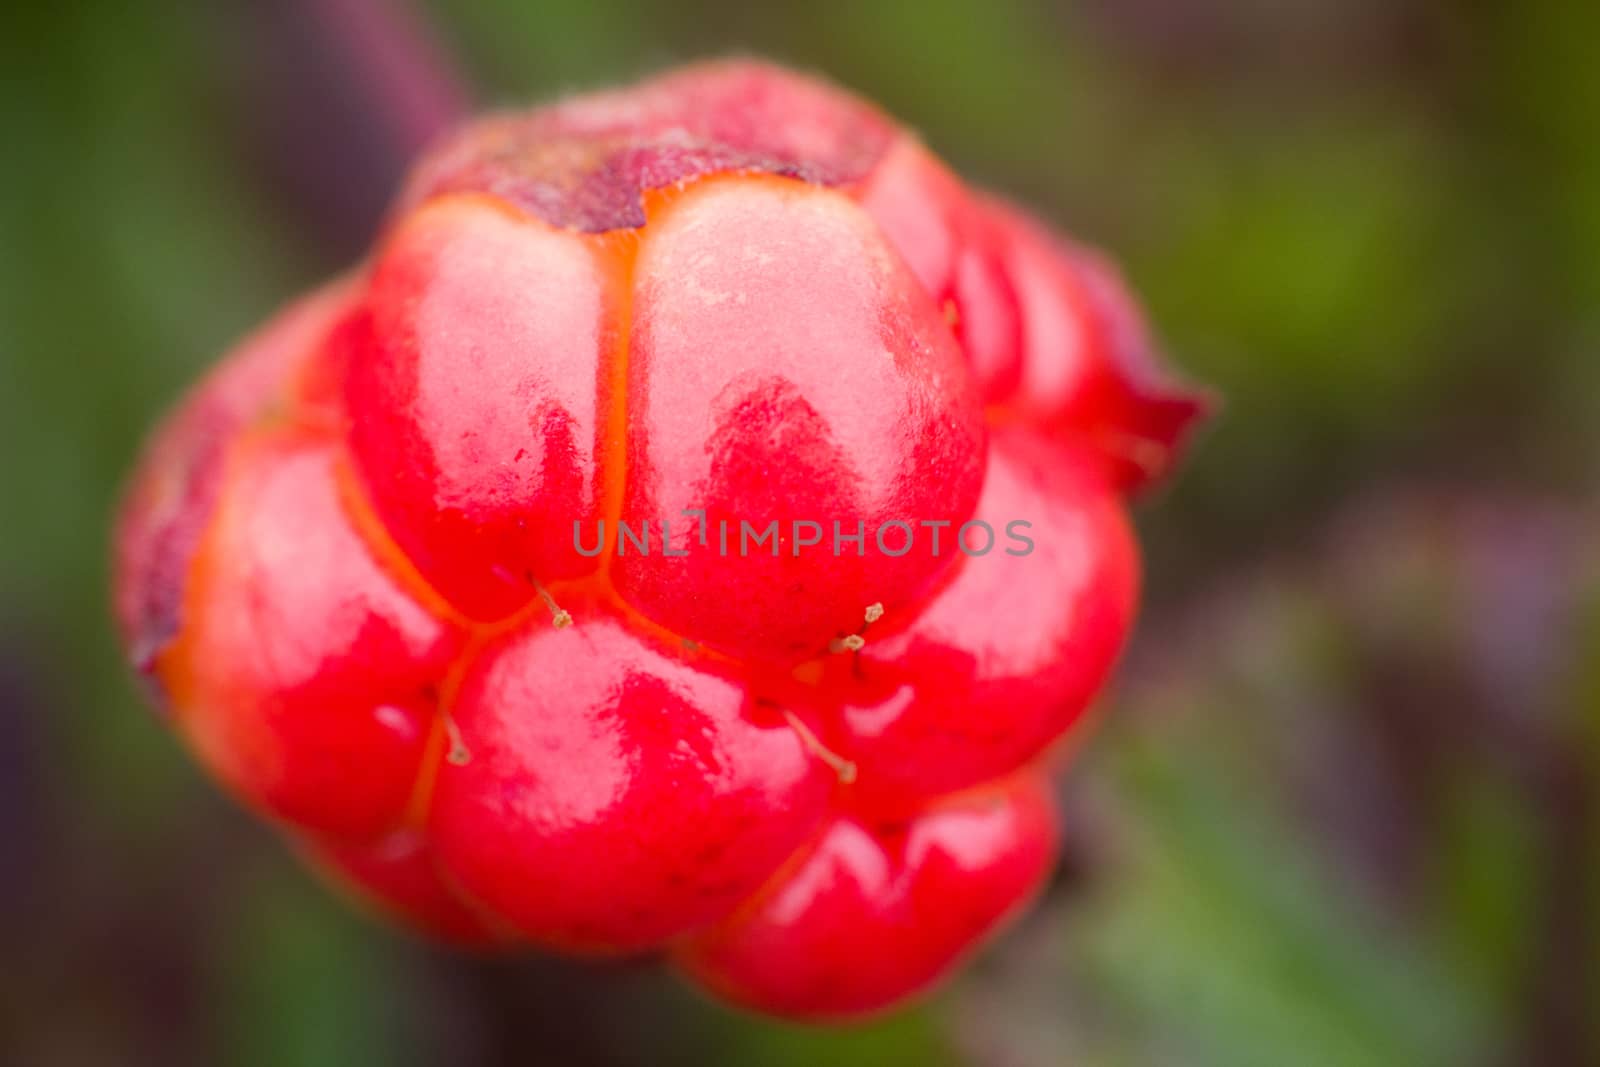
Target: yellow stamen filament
845	769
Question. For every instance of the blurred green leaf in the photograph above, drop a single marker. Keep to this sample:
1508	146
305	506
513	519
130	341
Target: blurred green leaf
1224	931
305	983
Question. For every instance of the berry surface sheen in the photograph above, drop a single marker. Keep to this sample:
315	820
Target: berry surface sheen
691	531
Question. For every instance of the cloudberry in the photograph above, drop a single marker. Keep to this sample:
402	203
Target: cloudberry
687	533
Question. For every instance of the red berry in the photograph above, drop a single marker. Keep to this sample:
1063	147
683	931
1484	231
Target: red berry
610	794
303	675
480	409
785	366
1006	656
875	912
432	571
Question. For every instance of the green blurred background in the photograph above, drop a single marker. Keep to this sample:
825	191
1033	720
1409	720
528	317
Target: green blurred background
1346	806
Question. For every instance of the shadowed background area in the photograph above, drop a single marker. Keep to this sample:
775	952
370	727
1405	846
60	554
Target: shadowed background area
1344	807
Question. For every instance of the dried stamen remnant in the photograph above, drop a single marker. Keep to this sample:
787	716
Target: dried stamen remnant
560	617
857	641
457	753
845	769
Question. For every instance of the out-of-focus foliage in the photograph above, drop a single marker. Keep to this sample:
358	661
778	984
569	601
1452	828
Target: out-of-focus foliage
1345	809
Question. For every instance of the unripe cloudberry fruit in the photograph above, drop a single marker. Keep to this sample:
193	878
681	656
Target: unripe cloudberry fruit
384	566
